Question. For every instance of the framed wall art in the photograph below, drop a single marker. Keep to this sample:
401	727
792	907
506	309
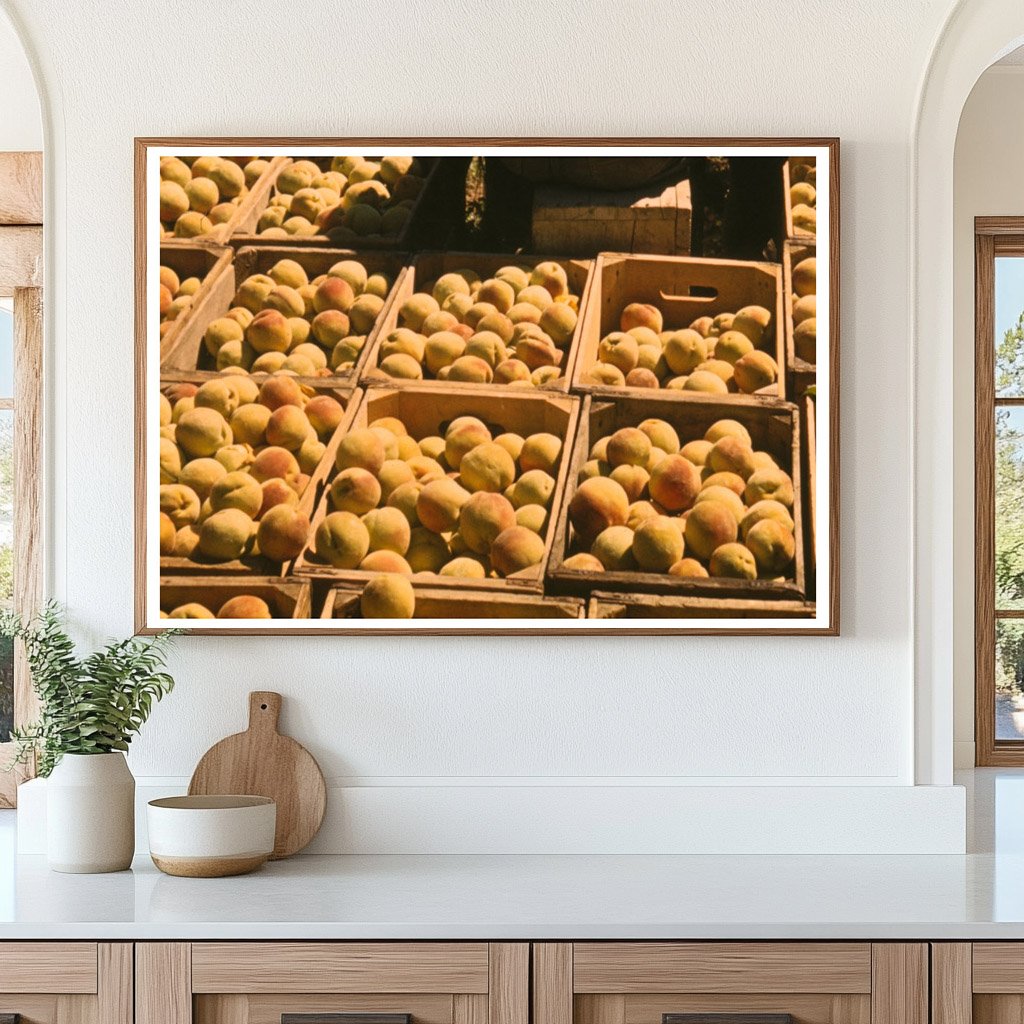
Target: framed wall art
443	386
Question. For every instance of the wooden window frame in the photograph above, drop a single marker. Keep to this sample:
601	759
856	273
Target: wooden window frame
21	278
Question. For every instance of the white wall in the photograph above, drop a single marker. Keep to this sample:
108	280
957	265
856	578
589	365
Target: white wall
988	180
434	712
21	126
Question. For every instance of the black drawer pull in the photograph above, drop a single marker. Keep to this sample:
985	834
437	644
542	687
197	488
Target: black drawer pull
10	1018
726	1018
339	1018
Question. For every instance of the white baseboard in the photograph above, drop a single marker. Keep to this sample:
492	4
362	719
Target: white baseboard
439	818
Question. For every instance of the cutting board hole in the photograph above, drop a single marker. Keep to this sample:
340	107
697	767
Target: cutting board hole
263	707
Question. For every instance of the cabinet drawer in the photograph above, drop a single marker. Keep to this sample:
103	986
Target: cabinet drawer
308	982
738	982
980	982
63	982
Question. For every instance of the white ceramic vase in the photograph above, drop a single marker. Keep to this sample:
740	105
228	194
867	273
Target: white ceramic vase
90	814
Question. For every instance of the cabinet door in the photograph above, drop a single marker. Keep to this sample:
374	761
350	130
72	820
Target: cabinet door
981	982
332	983
66	982
739	983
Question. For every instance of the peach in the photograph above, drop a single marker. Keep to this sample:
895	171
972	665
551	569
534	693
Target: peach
388	597
605	375
726	496
550	276
771	484
167	534
274	462
534	487
180	504
515	549
657	544
583	562
269	331
191	610
342	540
696	451
487	467
221	330
225	535
613	548
237	490
288	427
805	277
464	567
385	561
688	568
709	525
703	380
675	483
333	293
388	530
363	448
330	327
628	446
244	606
483	516
753	321
286	300
620	350
641	314
428	551
511	371
754	371
202	431
439	504
639	377
732	455
461	437
597	504
632	479
661	434
685	351
733	561
772	545
731	345
404	497
201	475
540	451
766	509
276	492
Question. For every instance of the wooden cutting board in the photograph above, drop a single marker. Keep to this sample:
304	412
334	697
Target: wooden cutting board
262	762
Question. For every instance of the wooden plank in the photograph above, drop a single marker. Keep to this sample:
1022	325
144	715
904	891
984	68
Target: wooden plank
339	967
58	967
509	983
951	983
21	259
899	983
998	967
469	1009
634	967
599	1009
552	983
21	188
163	983
116	982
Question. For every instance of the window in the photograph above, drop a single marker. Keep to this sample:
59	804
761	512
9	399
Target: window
999	491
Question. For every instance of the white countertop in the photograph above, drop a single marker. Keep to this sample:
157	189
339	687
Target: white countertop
497	897
977	896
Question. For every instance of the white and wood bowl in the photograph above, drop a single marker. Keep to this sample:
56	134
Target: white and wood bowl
211	836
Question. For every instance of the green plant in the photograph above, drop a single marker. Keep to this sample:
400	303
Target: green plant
90	705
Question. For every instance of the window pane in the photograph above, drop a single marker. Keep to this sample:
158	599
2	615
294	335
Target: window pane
1009	339
1009	679
6	349
1009	526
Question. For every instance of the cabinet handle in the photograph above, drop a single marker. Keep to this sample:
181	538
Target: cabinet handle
336	1018
726	1018
10	1018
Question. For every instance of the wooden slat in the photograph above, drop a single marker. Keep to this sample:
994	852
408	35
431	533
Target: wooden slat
552	983
339	967
163	983
115	983
606	1009
509	983
899	983
721	967
807	1008
998	967
951	983
21	188
21	259
59	967
469	1009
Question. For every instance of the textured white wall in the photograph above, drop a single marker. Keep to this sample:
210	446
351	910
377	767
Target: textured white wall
21	127
988	182
816	711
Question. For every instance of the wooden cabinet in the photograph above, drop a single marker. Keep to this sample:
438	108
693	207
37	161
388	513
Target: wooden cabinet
978	983
66	982
265	982
681	982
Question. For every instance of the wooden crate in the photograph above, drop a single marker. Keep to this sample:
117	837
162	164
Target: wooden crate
683	288
653	219
659	606
428	266
212	265
286	599
809	427
247	235
247	212
436	603
800	375
773	428
254	565
189	354
423	411
788	228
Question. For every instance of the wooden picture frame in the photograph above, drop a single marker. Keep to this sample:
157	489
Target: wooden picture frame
820	617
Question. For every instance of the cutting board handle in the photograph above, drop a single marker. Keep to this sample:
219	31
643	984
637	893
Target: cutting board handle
264	710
